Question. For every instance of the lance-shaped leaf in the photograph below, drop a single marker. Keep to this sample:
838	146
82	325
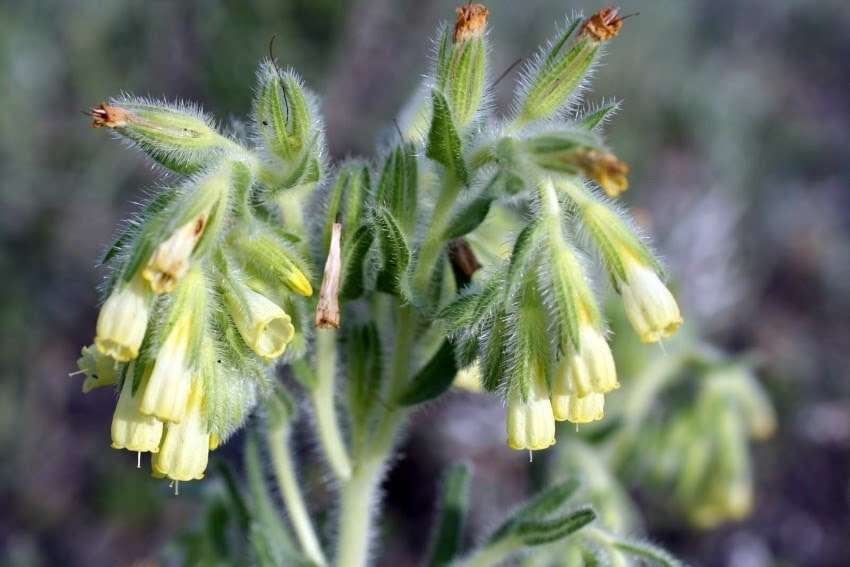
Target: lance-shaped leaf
397	187
444	145
525	249
451	516
595	118
494	353
466	313
365	374
541	532
468	217
394	249
353	263
433	379
355	197
541	506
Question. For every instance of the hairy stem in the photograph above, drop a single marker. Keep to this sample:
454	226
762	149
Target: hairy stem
359	495
322	397
434	242
284	469
492	554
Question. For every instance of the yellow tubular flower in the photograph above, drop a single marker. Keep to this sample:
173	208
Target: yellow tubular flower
578	410
185	449
530	423
100	370
170	261
131	429
264	326
650	306
166	393
123	320
590	370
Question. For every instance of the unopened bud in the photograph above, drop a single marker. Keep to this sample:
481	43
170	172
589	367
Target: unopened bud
170	261
327	309
282	112
267	255
180	138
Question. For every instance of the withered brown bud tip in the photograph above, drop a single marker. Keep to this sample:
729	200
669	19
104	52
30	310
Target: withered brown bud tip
104	116
603	25
471	21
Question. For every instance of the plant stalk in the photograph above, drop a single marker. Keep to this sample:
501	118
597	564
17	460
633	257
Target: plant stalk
323	399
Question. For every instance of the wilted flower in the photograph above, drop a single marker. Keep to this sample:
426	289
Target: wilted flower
131	429
530	422
186	446
650	307
123	320
170	261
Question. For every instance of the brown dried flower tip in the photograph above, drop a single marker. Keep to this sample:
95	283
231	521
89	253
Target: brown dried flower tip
104	116
327	309
603	25
471	21
608	171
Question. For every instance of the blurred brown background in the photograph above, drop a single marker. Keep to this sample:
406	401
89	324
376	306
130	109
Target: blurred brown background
736	121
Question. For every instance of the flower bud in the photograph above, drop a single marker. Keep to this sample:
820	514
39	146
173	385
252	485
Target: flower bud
530	422
185	449
469	378
327	309
461	67
123	320
100	370
179	137
559	72
650	307
266	255
131	429
264	326
578	409
167	391
282	112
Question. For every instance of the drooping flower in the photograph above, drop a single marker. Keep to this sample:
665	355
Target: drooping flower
131	429
530	422
185	448
166	393
590	369
650	307
577	409
170	261
123	321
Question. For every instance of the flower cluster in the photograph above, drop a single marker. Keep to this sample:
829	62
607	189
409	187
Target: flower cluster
202	297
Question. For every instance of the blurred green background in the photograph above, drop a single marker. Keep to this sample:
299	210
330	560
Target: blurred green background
736	121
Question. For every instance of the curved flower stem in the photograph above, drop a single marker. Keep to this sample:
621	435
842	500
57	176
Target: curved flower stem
323	398
284	470
359	495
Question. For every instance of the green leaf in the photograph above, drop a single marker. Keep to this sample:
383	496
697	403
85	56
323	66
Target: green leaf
469	217
334	202
525	249
444	145
541	532
591	120
151	221
397	187
358	186
494	353
545	503
466	313
451	515
435	377
395	252
643	550
352	266
365	373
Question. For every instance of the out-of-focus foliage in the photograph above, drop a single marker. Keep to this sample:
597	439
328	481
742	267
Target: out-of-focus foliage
743	106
